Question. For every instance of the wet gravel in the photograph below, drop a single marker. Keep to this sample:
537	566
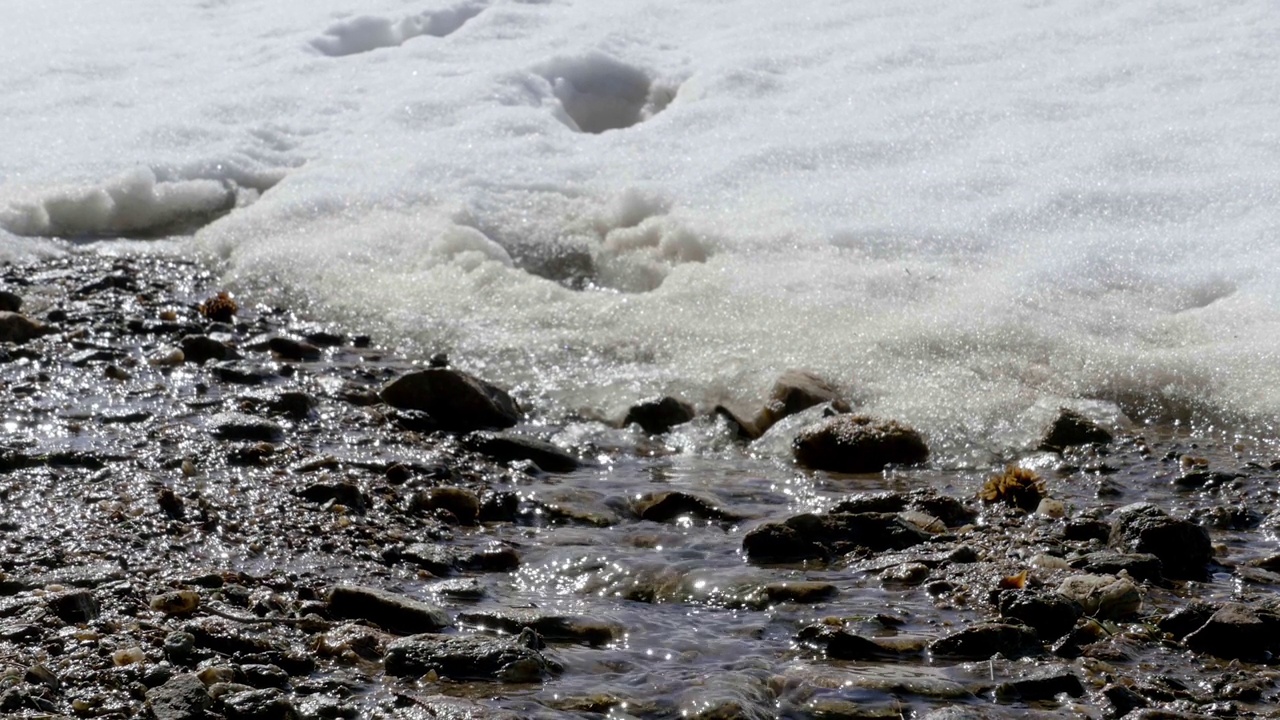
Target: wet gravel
210	507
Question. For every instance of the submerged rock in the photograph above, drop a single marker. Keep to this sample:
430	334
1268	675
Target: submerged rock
508	446
202	348
1044	686
858	444
808	536
659	415
986	639
391	611
1071	428
458	401
470	657
1184	548
667	506
552	628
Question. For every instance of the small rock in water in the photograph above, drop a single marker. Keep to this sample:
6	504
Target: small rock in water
75	606
393	612
858	444
290	349
176	602
265	704
470	657
808	536
659	415
202	348
1103	596
1141	566
182	697
17	328
240	426
986	639
10	302
1052	615
462	503
507	446
552	628
667	506
1045	686
1071	428
458	401
796	391
1184	548
1237	631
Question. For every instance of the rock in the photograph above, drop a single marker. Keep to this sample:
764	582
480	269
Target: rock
179	647
667	506
1123	700
342	493
659	415
238	373
241	426
202	348
390	611
1050	614
1237	631
1140	566
1072	428
17	328
801	591
441	559
838	644
459	502
1041	687
1084	529
10	302
1187	619
986	639
292	404
552	628
470	657
75	606
458	401
879	502
809	536
290	349
858	444
507	446
795	391
265	704
1183	547
182	697
743	426
1103	596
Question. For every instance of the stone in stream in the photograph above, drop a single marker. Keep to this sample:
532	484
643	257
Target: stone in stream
459	402
388	610
1184	548
439	559
1237	631
1050	614
461	503
342	493
858	444
508	446
1188	618
552	628
182	697
241	426
512	659
1044	686
18	328
808	536
1103	596
1071	428
290	349
264	704
199	349
659	415
838	644
10	302
796	391
984	640
1140	566
667	506
75	606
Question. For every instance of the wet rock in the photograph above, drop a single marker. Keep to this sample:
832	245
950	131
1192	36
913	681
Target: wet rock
1184	548
179	647
1050	614
458	401
1103	596
802	591
1187	619
838	644
238	373
470	657
809	536
202	348
1041	687
294	405
10	302
461	503
659	415
439	559
265	704
17	328
879	502
1237	631
743	426
182	697
796	391
290	349
342	493
1124	700
986	639
858	444
908	573
1141	566
1085	529
1071	428
552	628
388	610
241	426
506	446
667	506
75	606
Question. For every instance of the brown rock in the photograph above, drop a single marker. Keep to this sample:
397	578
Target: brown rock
456	400
18	328
858	444
795	391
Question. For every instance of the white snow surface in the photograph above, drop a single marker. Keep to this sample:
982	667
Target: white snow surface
967	213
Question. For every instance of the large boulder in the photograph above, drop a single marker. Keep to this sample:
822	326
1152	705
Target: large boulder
1183	547
457	401
858	444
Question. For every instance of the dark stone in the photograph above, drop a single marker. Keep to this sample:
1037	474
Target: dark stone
804	592
552	628
179	647
75	606
879	502
439	559
858	444
243	374
292	404
182	697
1187	619
1041	687
1072	428
265	704
343	493
171	504
1237	631
10	302
1084	529
413	421
659	415
1050	614
470	657
984	640
1183	547
743	426
202	348
667	506
17	328
1123	700
461	503
507	446
390	611
796	391
458	401
809	536
499	506
290	349
1140	566
839	644
241	426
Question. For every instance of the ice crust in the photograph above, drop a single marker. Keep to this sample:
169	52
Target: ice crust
968	213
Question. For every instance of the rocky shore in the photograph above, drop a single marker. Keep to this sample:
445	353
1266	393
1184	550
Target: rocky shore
215	508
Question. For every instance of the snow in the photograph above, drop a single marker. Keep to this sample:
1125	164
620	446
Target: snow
967	213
